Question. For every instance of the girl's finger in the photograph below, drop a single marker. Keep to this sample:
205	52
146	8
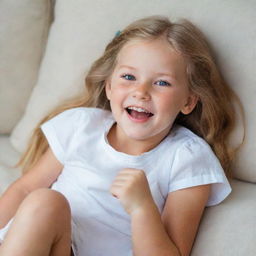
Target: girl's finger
115	190
121	178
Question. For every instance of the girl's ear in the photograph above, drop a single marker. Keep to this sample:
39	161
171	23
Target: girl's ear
190	104
108	89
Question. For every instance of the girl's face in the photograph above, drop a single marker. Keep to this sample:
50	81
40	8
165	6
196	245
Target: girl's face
147	90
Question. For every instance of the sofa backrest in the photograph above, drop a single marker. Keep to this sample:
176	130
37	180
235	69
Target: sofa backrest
24	29
82	28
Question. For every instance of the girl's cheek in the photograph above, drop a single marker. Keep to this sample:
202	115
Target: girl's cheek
124	87
124	82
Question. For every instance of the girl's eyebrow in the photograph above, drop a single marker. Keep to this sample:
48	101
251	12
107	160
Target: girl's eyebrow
126	66
157	73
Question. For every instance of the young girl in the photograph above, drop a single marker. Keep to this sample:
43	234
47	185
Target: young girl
134	161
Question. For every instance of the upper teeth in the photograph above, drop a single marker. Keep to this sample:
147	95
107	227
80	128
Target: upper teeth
138	109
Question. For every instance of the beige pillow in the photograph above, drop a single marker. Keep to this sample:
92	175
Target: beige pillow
23	32
82	29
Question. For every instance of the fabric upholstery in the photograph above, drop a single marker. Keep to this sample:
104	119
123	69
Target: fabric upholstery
23	34
229	228
8	158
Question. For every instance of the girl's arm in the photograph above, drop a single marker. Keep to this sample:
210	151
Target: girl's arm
43	174
149	236
175	231
182	215
171	234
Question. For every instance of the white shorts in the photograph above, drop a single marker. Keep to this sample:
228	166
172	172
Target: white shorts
4	230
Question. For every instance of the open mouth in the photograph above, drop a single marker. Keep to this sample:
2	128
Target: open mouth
139	113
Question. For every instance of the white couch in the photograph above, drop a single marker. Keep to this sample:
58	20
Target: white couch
39	69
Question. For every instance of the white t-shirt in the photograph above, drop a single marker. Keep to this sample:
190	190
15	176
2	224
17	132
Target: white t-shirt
100	225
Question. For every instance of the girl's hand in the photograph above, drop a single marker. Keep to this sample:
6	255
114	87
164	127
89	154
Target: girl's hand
131	188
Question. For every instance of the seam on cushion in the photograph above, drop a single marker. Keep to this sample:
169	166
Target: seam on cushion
47	22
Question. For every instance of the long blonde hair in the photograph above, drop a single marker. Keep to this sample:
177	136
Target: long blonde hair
214	116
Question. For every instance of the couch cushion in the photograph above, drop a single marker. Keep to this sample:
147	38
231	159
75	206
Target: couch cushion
229	228
23	33
76	40
8	158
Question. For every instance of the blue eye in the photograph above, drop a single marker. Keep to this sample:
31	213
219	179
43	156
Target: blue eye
128	77
163	83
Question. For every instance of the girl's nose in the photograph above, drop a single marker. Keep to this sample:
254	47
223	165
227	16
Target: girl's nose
142	92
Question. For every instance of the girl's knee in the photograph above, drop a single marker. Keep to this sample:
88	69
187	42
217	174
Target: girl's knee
46	201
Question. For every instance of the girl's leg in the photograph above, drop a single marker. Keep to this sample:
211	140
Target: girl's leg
42	226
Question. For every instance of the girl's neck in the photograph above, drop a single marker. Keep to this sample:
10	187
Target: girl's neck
124	144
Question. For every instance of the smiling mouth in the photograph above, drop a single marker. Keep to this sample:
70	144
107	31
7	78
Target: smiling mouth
138	113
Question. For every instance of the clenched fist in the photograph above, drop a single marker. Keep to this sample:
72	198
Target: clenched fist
131	187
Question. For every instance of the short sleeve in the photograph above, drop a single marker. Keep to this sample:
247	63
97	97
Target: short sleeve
59	132
195	164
